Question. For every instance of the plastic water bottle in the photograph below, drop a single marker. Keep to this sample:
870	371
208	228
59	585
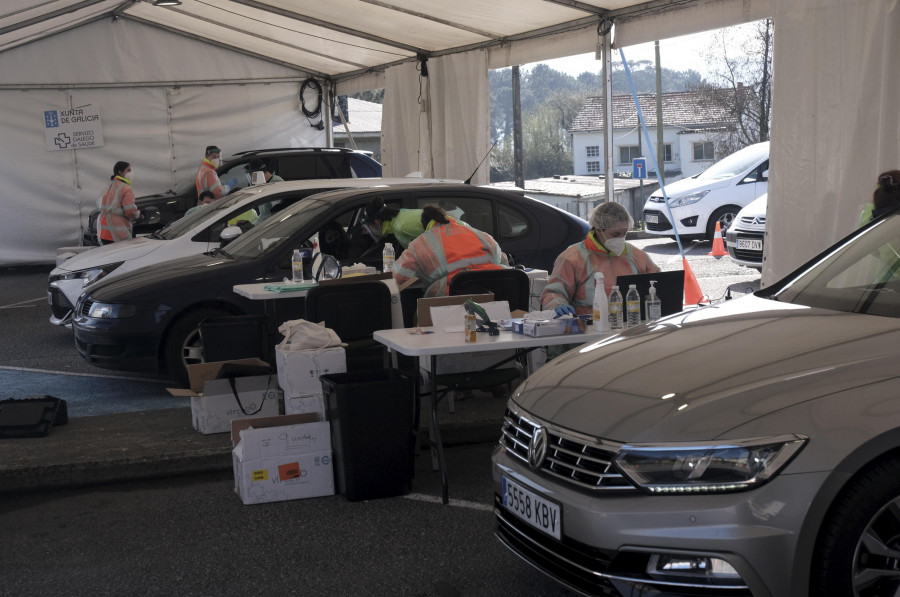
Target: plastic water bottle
616	319
633	306
601	306
297	266
653	305
387	258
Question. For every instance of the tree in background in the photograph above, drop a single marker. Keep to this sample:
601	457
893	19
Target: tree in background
747	73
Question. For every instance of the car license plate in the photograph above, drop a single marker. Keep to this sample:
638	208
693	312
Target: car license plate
651	219
750	244
540	513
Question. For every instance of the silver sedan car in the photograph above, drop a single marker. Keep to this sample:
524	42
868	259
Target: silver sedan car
746	448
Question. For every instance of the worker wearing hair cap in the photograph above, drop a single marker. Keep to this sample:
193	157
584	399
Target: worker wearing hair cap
570	287
207	179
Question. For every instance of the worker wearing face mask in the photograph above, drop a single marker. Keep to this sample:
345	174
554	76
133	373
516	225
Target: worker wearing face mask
570	287
207	179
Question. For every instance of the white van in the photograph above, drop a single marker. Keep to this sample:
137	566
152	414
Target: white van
715	195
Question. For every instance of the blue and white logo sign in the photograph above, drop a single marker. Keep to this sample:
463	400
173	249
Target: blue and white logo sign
74	128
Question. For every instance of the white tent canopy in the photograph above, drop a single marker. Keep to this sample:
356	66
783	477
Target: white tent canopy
170	80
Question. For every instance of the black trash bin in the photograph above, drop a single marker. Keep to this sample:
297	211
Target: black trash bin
234	337
371	414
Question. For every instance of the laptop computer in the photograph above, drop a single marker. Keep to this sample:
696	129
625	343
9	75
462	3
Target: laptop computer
669	289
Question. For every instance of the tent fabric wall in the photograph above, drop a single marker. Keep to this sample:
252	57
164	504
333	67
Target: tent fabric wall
835	125
437	125
161	129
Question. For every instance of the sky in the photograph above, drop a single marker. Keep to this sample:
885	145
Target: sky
676	53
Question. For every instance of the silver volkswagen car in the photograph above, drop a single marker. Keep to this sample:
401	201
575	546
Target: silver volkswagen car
746	448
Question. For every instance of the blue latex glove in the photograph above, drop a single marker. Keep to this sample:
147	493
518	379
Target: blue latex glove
564	310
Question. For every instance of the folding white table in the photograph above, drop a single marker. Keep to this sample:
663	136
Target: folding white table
439	342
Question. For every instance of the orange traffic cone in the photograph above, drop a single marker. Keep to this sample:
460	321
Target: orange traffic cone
718	248
692	293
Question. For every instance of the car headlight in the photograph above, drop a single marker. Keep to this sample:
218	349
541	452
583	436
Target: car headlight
688	199
111	311
684	468
88	275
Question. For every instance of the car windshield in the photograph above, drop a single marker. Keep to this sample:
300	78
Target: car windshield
188	222
860	275
277	230
737	163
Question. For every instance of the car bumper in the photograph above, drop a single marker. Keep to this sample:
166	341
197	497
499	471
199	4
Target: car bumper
101	344
657	221
745	247
62	296
608	538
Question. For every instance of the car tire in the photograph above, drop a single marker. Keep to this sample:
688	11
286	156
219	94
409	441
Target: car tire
183	346
860	537
724	216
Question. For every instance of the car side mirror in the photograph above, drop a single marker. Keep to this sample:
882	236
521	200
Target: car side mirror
229	234
765	174
149	215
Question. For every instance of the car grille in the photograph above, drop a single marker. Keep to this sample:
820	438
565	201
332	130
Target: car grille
662	224
577	565
747	254
59	304
86	308
753	221
575	460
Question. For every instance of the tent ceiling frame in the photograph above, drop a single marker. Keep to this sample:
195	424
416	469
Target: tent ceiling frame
430	18
50	15
329	25
590	8
229	47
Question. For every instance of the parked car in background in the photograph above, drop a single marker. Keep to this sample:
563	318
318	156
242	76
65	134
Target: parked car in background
148	319
631	466
715	195
746	236
198	232
298	163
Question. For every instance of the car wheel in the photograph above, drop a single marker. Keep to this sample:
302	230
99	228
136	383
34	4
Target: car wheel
183	345
858	549
724	216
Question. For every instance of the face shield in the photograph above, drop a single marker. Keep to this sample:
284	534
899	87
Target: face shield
373	229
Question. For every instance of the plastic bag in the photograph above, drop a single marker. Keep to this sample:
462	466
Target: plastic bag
300	334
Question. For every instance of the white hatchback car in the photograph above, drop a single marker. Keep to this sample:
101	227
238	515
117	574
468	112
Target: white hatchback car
196	233
746	448
714	195
746	236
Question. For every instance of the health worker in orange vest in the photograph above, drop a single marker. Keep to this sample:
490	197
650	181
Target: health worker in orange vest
445	249
117	208
570	287
207	179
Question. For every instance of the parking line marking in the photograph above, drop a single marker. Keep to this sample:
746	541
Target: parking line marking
23	303
78	374
421	497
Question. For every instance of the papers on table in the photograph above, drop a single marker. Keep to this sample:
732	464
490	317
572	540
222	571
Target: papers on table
451	318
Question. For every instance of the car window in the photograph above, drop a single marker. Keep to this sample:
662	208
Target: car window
277	230
756	175
253	214
188	222
859	276
236	177
303	167
513	224
362	168
477	212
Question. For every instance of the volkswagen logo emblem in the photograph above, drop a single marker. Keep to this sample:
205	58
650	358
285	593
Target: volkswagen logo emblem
537	449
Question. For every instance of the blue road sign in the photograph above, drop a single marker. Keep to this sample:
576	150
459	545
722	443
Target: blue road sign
639	168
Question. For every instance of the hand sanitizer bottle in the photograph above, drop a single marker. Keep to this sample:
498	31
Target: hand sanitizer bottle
653	306
297	266
601	305
387	258
616	321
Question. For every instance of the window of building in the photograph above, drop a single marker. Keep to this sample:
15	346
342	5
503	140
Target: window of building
704	151
593	151
593	167
667	150
628	153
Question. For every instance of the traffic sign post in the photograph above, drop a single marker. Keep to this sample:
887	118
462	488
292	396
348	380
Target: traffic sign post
639	168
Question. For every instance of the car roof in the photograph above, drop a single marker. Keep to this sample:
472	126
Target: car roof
295	150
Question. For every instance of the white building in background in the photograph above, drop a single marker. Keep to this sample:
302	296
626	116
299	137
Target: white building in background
364	122
691	126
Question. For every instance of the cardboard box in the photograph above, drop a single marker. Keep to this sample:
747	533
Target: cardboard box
553	327
299	370
305	404
215	404
282	458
